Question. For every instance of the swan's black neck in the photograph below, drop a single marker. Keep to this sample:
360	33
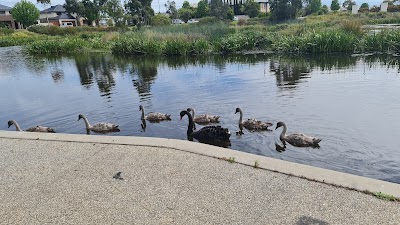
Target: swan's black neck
191	123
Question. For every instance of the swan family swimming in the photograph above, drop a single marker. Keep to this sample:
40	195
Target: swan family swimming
207	134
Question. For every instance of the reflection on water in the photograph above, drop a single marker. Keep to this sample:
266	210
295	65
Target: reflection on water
350	101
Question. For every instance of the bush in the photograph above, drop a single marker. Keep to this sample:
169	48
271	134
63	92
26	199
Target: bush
6	31
375	9
160	20
208	20
241	21
352	26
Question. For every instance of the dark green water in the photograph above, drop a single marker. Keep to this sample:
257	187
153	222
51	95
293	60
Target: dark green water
351	102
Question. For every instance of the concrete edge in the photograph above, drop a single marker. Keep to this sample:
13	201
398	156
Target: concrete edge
345	180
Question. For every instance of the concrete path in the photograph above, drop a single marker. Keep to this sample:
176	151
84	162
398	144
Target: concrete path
57	182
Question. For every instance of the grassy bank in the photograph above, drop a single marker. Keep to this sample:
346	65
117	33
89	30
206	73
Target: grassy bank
334	32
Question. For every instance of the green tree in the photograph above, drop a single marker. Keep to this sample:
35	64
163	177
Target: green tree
44	3
335	6
115	10
140	9
219	9
285	9
186	5
251	8
90	11
73	6
230	14
324	9
313	6
171	9
160	20
364	6
348	4
185	14
202	9
25	13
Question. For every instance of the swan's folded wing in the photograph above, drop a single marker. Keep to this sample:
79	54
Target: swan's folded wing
40	129
105	127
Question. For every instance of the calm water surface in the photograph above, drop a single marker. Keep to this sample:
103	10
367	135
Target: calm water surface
351	102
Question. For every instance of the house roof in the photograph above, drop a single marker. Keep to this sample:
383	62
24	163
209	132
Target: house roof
54	8
63	16
3	7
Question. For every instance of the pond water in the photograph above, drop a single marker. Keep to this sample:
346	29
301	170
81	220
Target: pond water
351	102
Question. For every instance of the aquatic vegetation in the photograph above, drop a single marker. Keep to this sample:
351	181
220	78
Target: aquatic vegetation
56	46
318	42
384	41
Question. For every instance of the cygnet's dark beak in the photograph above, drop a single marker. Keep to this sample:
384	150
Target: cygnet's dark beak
181	118
276	127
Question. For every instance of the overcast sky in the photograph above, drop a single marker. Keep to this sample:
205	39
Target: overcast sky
159	4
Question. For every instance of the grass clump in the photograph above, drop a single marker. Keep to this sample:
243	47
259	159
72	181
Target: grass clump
66	45
6	31
384	41
387	197
231	159
20	37
256	164
351	26
318	42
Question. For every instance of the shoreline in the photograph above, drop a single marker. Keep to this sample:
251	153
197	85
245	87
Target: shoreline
316	174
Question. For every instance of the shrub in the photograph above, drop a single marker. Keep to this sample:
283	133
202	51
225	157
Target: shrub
160	20
352	26
241	21
6	31
208	20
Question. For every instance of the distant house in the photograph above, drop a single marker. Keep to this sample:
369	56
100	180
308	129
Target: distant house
7	19
57	15
236	4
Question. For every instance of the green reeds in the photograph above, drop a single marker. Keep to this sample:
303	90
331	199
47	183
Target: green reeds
65	45
384	41
318	42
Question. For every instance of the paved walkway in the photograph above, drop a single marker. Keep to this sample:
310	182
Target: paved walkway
58	182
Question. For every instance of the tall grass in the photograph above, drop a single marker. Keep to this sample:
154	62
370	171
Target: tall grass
20	37
211	31
384	41
56	46
317	42
158	45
